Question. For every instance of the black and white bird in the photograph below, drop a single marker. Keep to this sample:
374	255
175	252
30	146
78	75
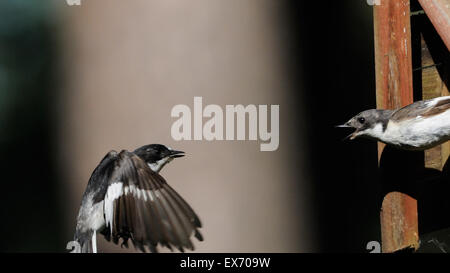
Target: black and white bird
418	126
127	199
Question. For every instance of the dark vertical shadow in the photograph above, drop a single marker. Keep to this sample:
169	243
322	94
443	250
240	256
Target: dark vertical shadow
331	52
416	30
28	207
400	171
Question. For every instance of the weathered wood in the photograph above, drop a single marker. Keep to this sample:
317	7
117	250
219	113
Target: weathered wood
439	13
393	68
432	87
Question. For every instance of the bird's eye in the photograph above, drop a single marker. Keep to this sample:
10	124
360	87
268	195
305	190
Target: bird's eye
361	120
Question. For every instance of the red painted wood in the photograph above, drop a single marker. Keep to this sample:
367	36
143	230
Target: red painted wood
439	13
393	68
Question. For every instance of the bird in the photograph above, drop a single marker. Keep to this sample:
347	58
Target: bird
417	126
126	198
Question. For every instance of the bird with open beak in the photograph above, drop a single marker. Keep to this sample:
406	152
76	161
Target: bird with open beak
418	126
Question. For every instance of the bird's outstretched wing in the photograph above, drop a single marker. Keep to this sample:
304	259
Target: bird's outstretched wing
423	108
140	205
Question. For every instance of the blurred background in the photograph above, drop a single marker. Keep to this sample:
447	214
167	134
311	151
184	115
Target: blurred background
79	81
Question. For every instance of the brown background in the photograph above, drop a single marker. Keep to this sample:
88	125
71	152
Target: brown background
127	63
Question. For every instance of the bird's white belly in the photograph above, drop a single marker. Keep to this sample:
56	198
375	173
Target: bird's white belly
93	217
421	133
97	219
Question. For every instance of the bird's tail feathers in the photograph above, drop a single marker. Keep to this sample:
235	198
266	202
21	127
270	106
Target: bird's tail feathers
85	243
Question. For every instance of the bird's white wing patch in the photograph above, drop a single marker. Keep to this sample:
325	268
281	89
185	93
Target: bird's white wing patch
115	190
138	193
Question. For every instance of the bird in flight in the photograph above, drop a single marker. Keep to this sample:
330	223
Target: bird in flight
418	126
127	199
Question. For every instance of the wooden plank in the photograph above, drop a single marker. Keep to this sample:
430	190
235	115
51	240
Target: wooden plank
439	13
432	87
393	68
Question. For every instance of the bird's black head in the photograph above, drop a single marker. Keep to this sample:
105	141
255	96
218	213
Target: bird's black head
157	155
369	123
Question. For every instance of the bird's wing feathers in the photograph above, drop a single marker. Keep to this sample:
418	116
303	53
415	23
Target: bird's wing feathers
140	205
424	108
101	175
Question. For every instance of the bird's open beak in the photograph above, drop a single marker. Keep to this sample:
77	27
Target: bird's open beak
345	125
175	154
352	135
